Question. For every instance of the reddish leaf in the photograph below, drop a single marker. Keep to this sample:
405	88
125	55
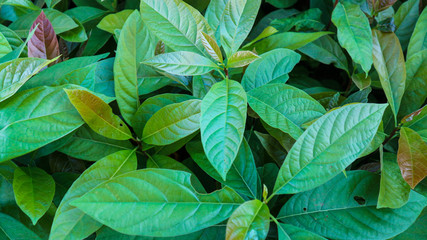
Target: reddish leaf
412	156
44	43
411	116
380	5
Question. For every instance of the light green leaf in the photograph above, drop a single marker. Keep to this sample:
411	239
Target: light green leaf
390	65
222	123
289	40
12	229
172	123
115	21
70	222
5	48
273	67
286	108
345	208
236	23
267	32
241	59
34	190
21	49
172	202
77	34
15	73
21	3
251	220
328	146
290	232
418	41
405	20
211	47
354	33
214	14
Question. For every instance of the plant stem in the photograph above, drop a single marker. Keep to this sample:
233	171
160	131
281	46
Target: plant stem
391	135
226	72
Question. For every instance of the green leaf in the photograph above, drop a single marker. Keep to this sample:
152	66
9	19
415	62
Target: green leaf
182	63
222	123
415	231
98	115
21	3
417	121
114	21
282	3
172	123
70	222
85	14
289	40
326	50
272	147
77	34
135	44
202	84
412	157
22	69
242	175
328	146
405	20
211	47
345	208
290	232
354	33
390	65
251	220
418	41
214	14
5	48
287	108
273	67
13	39
173	203
16	53
34	190
241	59
236	23
361	81
12	229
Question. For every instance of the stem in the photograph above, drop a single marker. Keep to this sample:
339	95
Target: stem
222	74
270	197
226	72
391	135
330	22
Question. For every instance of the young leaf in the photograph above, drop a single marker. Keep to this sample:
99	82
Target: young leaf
182	63
171	190
251	220
70	222
236	23
272	67
289	232
98	115
352	200
361	81
380	5
328	146
354	33
172	123
417	42
390	65
211	47
287	108
12	229
412	156
115	21
34	190
43	44
241	59
222	123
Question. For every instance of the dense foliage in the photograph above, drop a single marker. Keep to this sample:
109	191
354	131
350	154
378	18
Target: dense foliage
213	119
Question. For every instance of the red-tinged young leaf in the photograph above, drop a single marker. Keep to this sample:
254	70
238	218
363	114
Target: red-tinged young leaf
241	59
43	44
211	47
380	5
411	116
412	156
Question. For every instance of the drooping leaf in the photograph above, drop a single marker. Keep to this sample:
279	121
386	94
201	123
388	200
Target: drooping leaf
170	190
251	220
34	190
354	33
290	232
390	65
222	123
418	41
273	67
412	156
172	123
114	21
345	208
211	47
12	229
70	222
405	20
327	147
98	115
287	108
241	59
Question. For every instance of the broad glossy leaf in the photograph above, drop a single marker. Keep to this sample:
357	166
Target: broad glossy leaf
241	59
390	65
85	14
287	108
5	48
290	232
182	63
354	33
12	229
43	44
326	50
135	45
16	53
172	123
328	146
251	220
211	47
34	190
405	20
415	231
70	222
412	156
394	191
418	41
345	208
172	207
222	123
242	176
214	14
98	115
272	67
114	21
236	23
15	73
